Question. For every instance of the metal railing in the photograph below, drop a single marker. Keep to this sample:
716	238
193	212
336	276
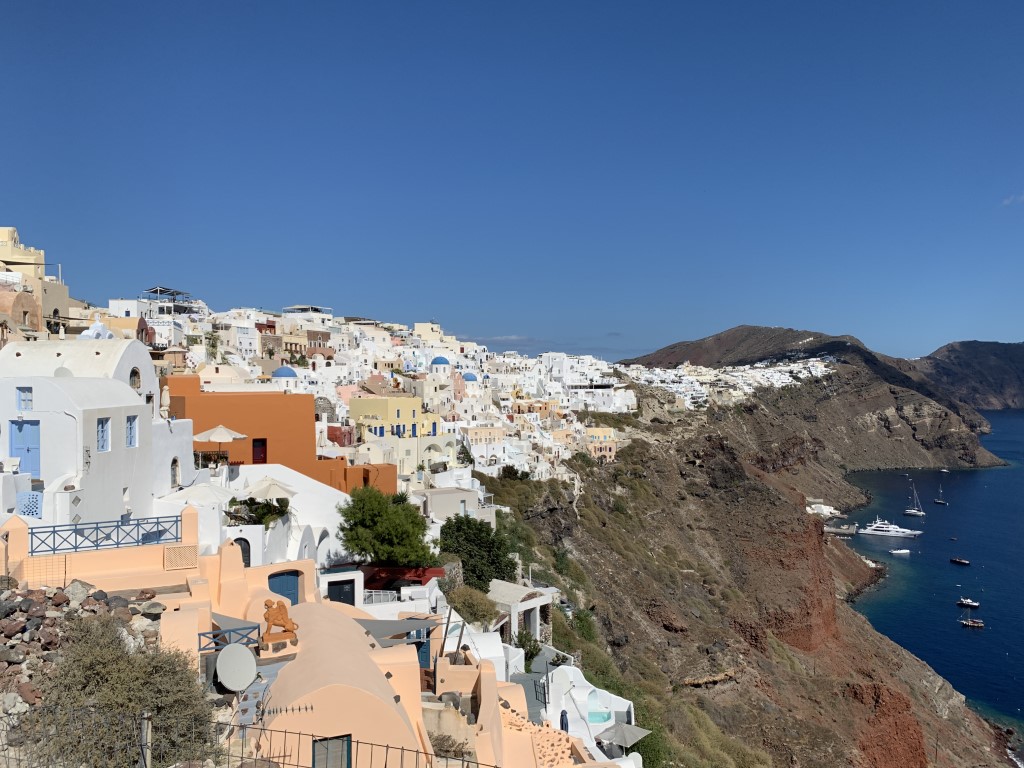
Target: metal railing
52	737
109	534
218	638
375	596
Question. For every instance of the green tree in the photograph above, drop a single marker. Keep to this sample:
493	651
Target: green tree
376	528
465	456
484	551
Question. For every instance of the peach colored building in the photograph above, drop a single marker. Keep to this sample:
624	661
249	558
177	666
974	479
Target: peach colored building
601	443
279	429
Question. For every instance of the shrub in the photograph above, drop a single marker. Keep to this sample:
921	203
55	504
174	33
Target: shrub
583	624
530	646
473	605
377	528
100	676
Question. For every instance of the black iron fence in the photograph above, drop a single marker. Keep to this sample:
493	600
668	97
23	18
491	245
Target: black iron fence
49	737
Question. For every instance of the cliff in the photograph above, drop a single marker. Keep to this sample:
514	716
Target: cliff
983	374
723	604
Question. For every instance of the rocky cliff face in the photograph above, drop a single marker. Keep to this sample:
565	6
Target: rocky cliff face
983	374
714	589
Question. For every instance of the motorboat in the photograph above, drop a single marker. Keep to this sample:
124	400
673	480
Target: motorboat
899	551
959	561
944	471
882	527
915	507
966	602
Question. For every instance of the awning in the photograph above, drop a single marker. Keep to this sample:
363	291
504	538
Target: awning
384	630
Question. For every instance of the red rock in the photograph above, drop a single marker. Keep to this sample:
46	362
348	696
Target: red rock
29	693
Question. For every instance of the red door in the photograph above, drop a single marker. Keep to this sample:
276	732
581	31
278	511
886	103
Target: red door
259	450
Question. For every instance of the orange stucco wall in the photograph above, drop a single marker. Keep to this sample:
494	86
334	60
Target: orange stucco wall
285	421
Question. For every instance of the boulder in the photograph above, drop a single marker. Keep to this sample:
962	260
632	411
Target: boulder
12	627
7	608
48	638
78	590
153	610
116	601
145	594
99	594
33	624
59	599
121	613
12	655
29	693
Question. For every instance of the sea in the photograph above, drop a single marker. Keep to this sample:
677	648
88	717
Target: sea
915	604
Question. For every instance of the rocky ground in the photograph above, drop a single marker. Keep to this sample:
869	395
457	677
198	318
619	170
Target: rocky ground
713	587
32	623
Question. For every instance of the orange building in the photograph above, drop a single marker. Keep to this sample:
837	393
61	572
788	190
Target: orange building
279	429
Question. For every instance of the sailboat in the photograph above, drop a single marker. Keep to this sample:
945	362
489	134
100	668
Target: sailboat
967	621
915	503
940	500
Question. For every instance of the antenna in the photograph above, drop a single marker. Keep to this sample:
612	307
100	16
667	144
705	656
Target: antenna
236	667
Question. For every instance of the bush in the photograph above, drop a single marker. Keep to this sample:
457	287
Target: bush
473	605
530	646
583	624
98	675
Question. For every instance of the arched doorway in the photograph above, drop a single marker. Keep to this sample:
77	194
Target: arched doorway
243	544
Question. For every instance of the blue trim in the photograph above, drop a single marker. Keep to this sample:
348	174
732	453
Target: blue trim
109	534
247	634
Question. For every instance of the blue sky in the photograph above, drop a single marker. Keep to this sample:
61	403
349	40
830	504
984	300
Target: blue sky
602	177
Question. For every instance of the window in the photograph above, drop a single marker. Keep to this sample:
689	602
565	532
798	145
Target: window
24	398
131	432
135	379
175	472
333	752
103	434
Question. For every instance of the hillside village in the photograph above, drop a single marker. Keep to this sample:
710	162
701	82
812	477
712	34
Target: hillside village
144	435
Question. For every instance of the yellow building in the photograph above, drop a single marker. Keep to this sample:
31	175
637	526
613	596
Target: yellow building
394	415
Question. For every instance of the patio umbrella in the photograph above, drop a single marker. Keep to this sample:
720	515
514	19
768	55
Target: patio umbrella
269	488
219	435
623	734
203	493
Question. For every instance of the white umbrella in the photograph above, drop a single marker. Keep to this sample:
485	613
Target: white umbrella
204	493
623	734
269	488
219	435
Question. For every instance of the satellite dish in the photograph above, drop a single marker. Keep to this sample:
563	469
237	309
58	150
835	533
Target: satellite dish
236	667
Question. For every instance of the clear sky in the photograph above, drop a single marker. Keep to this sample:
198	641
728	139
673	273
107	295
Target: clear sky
603	177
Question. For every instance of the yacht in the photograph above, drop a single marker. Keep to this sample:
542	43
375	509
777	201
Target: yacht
966	602
884	528
959	561
899	551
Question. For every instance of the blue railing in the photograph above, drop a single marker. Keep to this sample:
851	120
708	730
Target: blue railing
82	537
247	634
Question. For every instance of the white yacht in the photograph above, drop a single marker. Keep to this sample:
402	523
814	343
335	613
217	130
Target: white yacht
884	528
914	508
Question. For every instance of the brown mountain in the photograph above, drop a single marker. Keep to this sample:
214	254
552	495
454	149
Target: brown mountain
748	344
983	374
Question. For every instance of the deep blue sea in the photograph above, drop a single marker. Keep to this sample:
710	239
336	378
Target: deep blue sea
916	604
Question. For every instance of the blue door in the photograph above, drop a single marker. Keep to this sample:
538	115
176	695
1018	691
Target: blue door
285	584
25	445
422	648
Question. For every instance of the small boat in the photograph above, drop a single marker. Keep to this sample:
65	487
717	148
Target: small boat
915	508
952	538
966	602
940	500
899	551
944	471
959	561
